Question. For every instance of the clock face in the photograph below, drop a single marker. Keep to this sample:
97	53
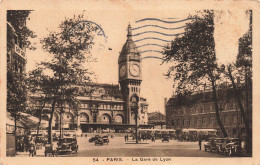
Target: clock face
122	71
134	70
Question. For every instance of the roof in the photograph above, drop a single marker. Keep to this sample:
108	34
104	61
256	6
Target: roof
156	117
129	46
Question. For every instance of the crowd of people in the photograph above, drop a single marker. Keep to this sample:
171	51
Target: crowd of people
141	137
26	143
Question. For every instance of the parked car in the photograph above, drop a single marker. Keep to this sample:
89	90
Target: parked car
211	145
92	139
165	138
105	139
99	141
233	147
220	144
50	150
67	145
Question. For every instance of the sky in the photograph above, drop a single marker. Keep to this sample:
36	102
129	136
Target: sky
155	86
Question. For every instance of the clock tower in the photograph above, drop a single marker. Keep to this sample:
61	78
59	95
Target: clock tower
130	78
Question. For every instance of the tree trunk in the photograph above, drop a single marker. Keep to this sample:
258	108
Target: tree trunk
217	109
39	124
15	130
50	123
237	94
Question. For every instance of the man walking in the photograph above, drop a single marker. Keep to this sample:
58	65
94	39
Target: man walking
200	143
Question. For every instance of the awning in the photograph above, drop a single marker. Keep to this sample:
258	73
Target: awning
32	121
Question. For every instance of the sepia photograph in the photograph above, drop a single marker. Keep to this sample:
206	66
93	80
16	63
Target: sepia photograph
128	84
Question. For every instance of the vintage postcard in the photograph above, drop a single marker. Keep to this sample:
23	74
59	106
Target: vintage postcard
129	82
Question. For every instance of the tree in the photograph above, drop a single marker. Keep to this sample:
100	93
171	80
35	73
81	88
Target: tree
194	58
59	79
16	86
16	95
243	67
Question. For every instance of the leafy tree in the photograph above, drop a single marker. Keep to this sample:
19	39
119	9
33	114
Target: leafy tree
59	79
243	67
16	95
194	58
16	83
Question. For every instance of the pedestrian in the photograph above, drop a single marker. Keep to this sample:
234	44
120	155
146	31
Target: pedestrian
153	139
125	137
200	143
32	148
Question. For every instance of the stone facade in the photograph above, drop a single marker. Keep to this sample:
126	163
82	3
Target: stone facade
185	113
101	110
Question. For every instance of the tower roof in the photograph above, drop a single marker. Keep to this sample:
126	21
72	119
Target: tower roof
129	46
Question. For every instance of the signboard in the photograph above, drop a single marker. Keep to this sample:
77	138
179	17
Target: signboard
19	51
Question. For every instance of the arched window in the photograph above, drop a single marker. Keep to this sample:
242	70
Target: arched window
84	118
118	119
68	117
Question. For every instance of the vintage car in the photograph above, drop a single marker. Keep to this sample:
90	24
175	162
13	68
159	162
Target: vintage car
220	144
211	145
99	141
105	139
92	139
50	150
233	147
166	138
67	145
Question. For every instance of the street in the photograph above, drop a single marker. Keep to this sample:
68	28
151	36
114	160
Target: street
117	147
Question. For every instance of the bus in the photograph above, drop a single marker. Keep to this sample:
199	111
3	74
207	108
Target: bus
157	133
196	134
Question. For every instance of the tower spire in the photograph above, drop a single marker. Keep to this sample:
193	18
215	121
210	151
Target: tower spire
129	31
